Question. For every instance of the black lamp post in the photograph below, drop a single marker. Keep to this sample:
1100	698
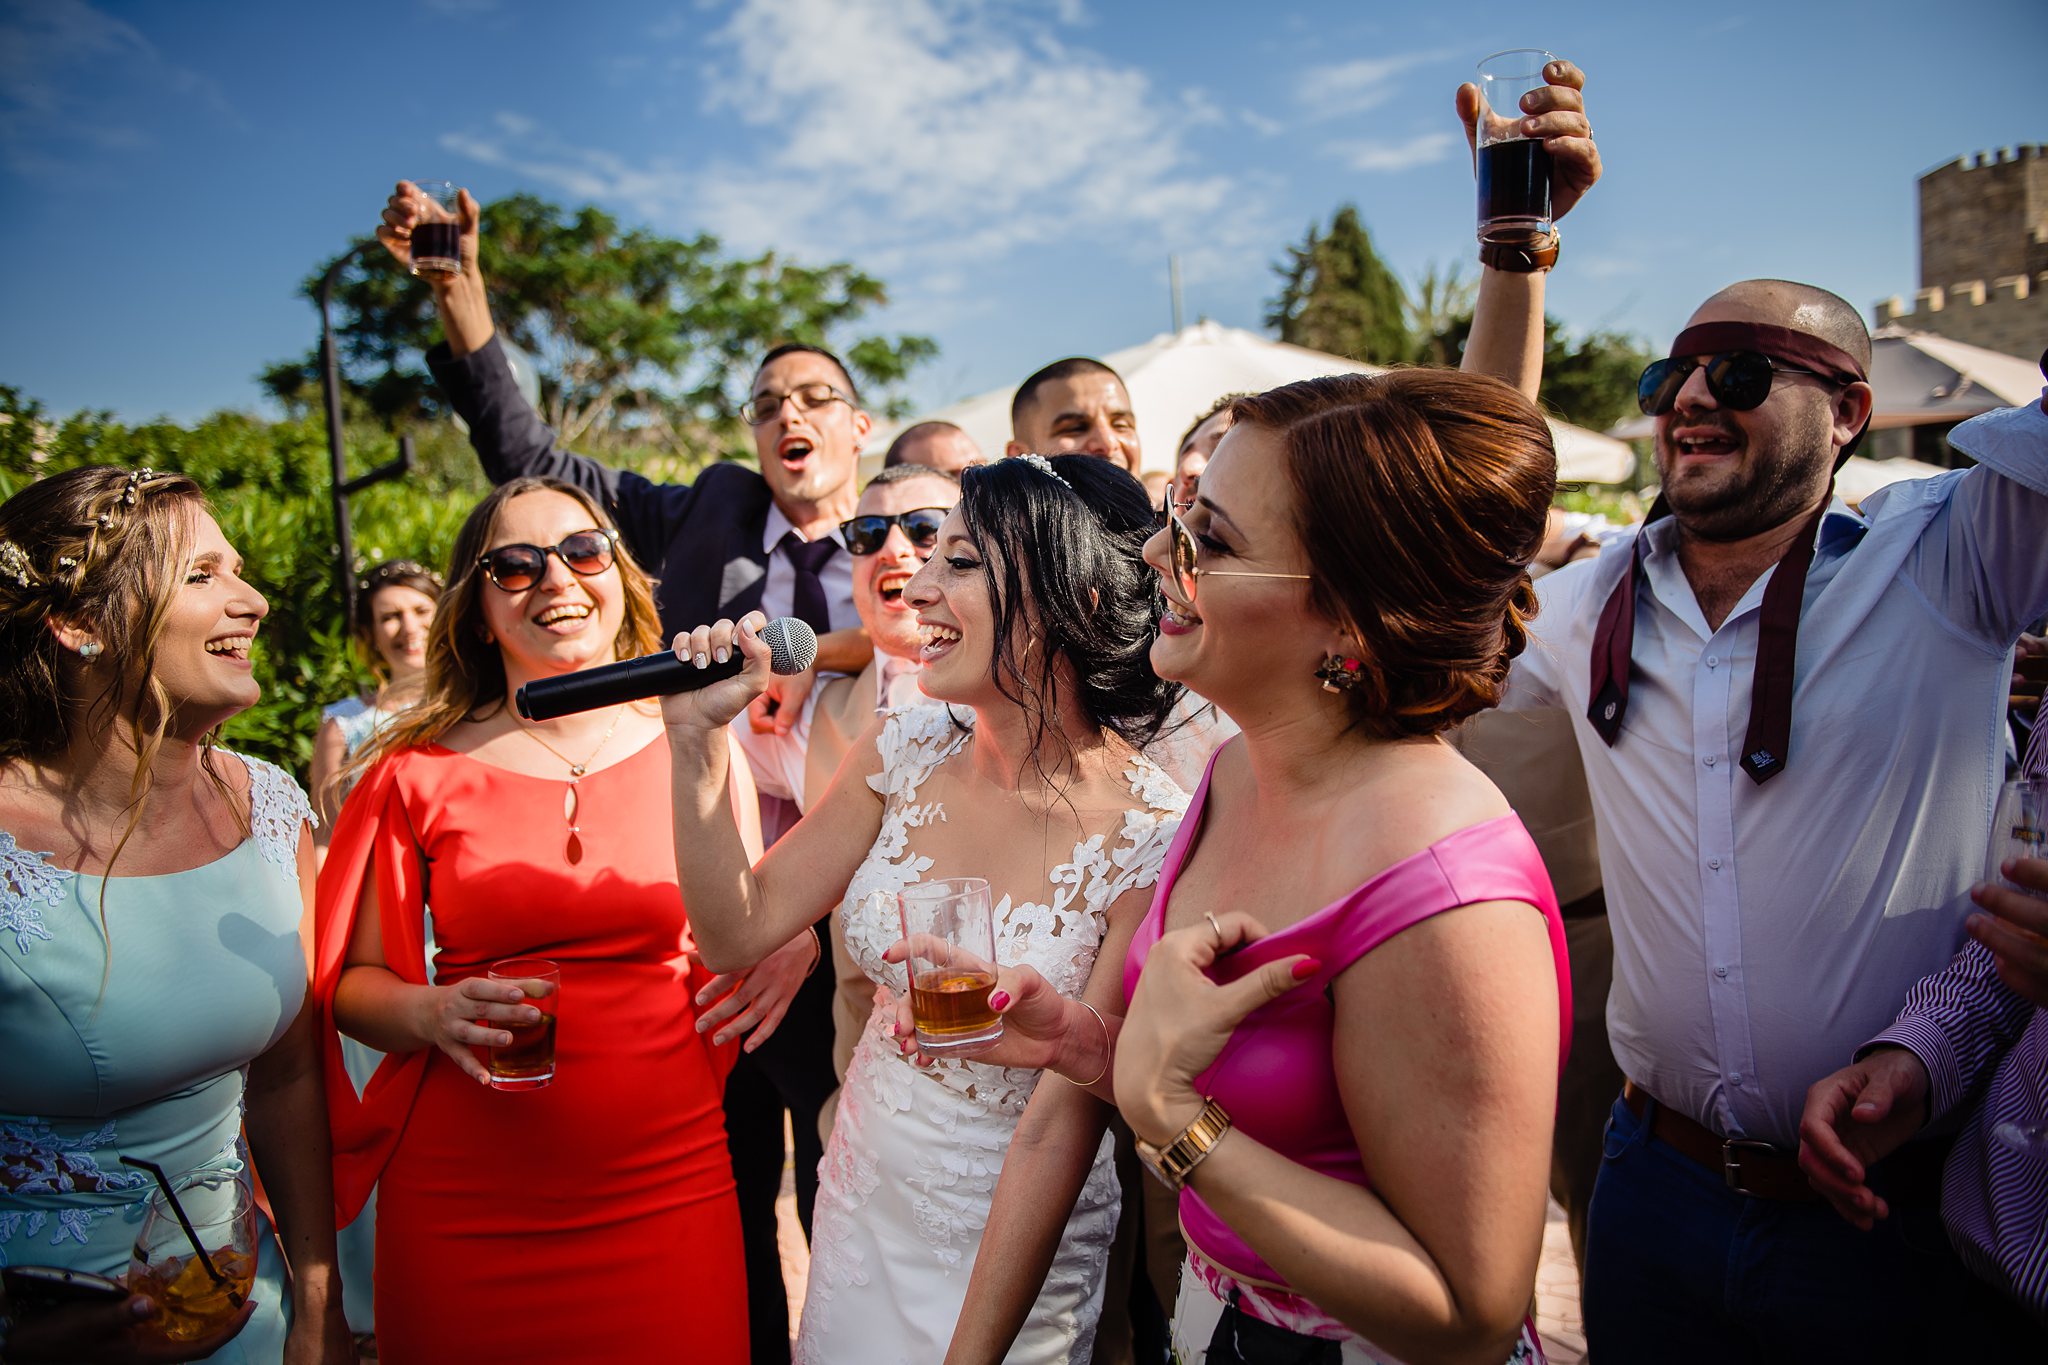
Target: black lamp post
344	487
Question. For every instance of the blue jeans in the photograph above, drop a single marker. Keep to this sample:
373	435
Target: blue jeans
1681	1268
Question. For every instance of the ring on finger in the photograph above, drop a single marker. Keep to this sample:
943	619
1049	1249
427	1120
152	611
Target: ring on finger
1214	926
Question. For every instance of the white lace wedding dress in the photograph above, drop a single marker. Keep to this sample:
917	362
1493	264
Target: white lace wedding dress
910	1171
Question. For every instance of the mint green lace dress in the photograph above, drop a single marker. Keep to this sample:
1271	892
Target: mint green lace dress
206	972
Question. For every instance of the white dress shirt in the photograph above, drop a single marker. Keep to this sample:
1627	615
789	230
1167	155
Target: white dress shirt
1763	933
778	593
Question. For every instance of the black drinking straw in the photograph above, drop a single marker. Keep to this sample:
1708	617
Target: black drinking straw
163	1182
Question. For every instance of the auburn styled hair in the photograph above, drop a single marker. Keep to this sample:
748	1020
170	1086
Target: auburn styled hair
1420	497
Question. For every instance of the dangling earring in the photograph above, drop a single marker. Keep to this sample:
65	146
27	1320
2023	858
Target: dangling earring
90	650
1340	672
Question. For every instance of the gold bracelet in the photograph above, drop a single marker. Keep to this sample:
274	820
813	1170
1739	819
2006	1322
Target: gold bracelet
1105	1046
817	952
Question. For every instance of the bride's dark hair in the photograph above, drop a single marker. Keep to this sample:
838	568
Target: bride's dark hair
1063	555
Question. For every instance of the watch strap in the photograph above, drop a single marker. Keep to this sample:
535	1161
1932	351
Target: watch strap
1174	1162
1521	258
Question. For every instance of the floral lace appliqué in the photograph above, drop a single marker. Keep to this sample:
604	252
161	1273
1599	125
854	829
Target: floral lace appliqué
27	883
916	1152
278	812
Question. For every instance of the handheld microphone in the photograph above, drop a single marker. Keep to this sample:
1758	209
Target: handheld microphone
793	646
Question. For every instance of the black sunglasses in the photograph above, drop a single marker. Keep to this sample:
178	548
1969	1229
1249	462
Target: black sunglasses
865	535
1739	380
515	568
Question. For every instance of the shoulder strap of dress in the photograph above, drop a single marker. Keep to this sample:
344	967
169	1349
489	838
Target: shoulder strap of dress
1493	860
278	812
915	740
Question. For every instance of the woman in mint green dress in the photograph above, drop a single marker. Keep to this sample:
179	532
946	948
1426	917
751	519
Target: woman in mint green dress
152	979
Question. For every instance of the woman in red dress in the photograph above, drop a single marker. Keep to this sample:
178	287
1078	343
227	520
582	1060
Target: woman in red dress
593	1219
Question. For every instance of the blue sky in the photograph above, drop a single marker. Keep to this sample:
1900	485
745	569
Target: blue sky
1018	172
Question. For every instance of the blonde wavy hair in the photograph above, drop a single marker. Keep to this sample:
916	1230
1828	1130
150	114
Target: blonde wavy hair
104	550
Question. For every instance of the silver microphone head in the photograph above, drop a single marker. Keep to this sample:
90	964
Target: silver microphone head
793	646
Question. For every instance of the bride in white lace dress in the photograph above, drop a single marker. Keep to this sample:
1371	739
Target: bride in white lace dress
1026	769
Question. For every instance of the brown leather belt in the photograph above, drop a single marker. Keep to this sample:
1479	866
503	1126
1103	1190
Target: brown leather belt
1747	1166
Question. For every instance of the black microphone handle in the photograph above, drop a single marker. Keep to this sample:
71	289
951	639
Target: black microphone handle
650	675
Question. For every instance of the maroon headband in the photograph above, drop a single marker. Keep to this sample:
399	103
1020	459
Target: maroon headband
1780	343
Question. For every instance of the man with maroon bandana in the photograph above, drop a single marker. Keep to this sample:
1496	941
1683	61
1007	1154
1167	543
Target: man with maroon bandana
1790	718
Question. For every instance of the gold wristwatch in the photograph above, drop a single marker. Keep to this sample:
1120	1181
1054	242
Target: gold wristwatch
1174	1162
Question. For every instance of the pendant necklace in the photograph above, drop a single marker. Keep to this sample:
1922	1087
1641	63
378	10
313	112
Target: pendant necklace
571	803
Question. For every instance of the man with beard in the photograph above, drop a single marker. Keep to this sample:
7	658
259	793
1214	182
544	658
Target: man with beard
732	542
1790	719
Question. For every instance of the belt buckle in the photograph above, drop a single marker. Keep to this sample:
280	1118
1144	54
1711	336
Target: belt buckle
1732	1151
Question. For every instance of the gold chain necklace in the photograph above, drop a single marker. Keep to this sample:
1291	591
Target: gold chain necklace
572	804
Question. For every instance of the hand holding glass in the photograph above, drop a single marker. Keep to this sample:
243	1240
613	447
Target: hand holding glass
1514	168
528	1061
949	927
437	230
163	1266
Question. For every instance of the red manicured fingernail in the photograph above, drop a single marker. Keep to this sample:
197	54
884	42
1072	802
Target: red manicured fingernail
1306	968
999	1000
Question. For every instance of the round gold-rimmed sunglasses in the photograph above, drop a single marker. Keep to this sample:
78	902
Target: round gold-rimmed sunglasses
1181	544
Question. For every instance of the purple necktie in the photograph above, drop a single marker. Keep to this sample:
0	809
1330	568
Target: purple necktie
1767	743
808	557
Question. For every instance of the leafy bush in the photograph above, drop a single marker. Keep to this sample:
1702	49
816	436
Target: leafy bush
269	483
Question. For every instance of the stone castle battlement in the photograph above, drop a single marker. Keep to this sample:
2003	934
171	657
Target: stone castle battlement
1983	252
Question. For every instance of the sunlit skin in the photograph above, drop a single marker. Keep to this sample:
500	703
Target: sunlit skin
1088	414
879	579
810	457
956	618
1743	483
1195	454
400	618
565	621
948	449
1241	522
202	658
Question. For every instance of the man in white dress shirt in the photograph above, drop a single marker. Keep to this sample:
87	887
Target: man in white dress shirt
1773	828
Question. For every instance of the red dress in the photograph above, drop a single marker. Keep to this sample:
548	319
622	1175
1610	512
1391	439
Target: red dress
594	1219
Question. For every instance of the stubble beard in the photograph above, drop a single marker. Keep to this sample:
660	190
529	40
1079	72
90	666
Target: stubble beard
1774	486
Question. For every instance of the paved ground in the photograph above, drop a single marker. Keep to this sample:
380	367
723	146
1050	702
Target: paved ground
1557	1280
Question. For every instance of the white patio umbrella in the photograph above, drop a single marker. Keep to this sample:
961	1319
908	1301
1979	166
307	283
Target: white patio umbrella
1176	376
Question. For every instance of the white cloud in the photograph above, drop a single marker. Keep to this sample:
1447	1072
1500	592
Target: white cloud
52	53
1381	156
917	136
1355	86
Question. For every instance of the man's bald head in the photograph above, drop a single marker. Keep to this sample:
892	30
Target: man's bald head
1787	303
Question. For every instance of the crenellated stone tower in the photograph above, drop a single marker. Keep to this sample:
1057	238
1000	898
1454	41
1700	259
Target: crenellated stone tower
1983	253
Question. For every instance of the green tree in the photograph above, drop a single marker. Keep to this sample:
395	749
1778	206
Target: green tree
1439	298
640	339
1337	295
1590	381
